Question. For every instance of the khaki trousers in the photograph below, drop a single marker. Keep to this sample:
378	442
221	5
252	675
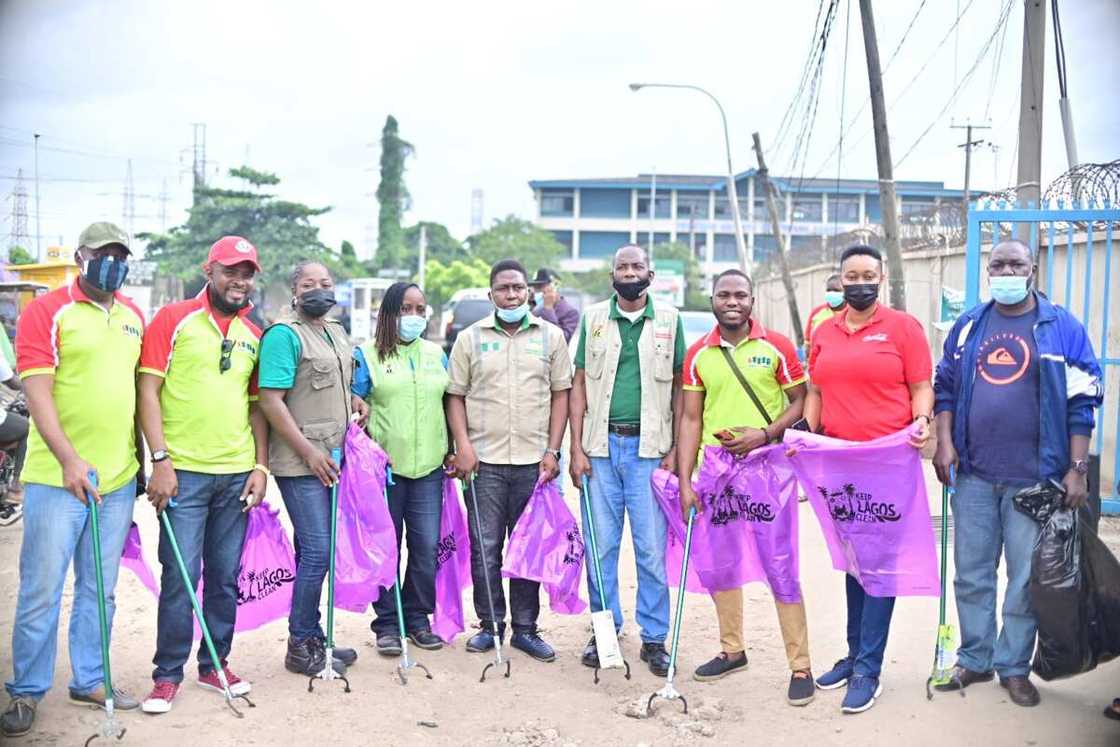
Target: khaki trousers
791	620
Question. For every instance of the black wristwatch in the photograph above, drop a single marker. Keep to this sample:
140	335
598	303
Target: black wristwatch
1080	466
160	455
554	452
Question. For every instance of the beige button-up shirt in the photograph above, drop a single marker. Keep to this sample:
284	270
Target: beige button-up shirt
508	381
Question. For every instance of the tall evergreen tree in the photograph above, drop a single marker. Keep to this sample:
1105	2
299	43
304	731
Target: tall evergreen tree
392	196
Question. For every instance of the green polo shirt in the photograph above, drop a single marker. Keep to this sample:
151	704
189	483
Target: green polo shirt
626	397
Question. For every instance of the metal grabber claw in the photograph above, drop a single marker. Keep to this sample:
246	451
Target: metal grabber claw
498	660
669	692
328	672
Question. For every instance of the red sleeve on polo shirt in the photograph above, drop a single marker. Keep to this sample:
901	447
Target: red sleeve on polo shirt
917	365
690	377
159	338
254	378
36	341
789	371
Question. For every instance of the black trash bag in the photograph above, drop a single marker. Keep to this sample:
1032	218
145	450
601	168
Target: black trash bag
1075	593
1040	501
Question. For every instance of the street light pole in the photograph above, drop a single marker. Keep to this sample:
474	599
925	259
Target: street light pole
745	261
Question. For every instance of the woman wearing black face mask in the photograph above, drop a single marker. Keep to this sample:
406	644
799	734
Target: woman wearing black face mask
870	372
305	375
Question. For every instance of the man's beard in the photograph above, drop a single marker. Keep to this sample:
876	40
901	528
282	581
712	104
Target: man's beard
223	306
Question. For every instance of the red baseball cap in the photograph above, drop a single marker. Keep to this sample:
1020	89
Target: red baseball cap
232	250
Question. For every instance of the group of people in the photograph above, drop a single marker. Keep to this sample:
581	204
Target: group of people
222	405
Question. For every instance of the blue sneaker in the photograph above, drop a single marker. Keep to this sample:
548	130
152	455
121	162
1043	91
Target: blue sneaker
483	640
861	694
837	676
532	644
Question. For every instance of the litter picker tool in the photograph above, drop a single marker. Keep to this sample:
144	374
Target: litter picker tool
669	692
498	660
328	672
602	622
109	726
405	663
945	650
206	637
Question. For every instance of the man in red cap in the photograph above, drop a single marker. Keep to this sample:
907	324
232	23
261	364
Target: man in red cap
209	444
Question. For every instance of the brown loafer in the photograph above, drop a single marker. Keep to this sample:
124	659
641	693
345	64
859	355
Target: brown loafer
962	677
1022	690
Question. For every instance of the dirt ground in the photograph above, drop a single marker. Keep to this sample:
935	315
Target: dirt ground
557	703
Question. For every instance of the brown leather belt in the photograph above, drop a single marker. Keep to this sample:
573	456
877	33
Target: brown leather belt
625	429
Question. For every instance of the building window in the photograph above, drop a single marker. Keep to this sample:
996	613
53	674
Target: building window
600	244
843	209
604	203
557	202
658	238
663	198
808	208
723	208
692	206
565	239
725	249
764	247
917	211
699	242
804	243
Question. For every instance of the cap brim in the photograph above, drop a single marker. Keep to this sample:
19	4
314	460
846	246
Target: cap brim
107	242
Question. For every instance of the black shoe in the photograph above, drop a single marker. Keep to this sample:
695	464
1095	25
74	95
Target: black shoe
1022	690
483	640
657	657
801	689
308	656
19	717
962	677
720	667
426	640
388	644
531	643
590	656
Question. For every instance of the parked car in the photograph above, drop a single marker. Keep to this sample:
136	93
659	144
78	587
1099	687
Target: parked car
696	325
462	313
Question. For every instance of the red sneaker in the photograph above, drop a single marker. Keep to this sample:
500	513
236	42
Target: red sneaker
159	699
237	686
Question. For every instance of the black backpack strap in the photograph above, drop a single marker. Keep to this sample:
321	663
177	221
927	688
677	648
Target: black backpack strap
746	385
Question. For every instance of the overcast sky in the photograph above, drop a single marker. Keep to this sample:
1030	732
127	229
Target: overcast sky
494	94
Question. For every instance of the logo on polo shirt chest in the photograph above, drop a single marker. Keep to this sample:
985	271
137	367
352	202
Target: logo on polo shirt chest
760	361
131	330
877	337
246	346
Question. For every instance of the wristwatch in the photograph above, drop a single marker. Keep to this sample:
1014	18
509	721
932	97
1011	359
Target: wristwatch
554	452
160	455
1080	466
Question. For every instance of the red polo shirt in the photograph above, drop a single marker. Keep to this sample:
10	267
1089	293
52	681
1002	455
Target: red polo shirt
864	376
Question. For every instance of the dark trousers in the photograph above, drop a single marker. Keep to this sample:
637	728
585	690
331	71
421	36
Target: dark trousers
309	507
414	503
503	490
869	622
209	527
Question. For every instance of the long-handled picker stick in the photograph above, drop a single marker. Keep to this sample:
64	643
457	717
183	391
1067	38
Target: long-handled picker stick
109	726
328	672
944	649
405	662
602	622
214	660
669	692
489	594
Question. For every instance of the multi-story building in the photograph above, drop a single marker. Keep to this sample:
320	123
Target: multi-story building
593	217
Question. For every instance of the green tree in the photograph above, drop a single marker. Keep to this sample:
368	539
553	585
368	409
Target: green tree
441	244
443	279
392	196
520	239
17	255
281	230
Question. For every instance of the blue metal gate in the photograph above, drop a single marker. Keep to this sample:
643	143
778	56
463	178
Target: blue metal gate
1067	240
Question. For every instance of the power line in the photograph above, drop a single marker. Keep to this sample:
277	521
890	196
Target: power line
843	100
786	119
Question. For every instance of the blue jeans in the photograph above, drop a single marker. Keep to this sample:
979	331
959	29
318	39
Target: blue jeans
984	521
210	529
869	622
309	506
55	530
415	503
620	483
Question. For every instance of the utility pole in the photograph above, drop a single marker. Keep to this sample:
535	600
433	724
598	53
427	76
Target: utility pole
128	216
38	208
1028	182
652	212
887	197
763	176
163	200
199	165
968	145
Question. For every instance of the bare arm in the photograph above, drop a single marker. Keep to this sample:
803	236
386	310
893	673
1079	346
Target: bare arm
280	420
257	482
164	483
557	422
40	403
946	458
921	406
676	404
465	461
688	445
811	410
580	464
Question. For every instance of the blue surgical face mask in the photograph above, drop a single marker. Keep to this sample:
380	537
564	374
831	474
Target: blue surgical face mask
538	298
834	299
1009	290
514	315
410	327
106	273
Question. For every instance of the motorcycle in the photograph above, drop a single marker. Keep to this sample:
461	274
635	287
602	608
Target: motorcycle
11	511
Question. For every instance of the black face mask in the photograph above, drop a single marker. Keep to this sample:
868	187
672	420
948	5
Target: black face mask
860	296
631	291
317	302
224	307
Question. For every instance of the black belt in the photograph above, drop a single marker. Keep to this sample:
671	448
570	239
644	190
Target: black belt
625	429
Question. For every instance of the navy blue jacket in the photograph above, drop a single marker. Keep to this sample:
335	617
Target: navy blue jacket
1069	381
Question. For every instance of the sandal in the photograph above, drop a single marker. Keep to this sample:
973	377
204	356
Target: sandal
1113	711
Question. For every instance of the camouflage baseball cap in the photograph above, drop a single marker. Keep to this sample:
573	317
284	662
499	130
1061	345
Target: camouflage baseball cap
102	234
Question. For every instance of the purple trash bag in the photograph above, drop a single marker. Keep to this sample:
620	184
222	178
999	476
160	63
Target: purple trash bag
132	558
870	498
267	574
453	564
546	546
366	546
747	530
